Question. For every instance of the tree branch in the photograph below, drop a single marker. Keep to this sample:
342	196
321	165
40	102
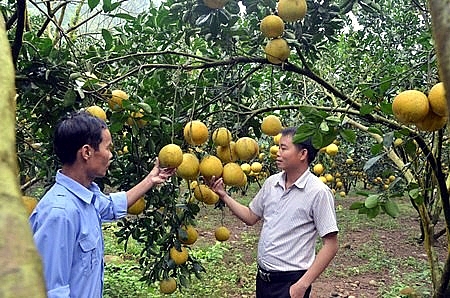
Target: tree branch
18	39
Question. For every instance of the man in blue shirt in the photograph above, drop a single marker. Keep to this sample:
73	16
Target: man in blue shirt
66	223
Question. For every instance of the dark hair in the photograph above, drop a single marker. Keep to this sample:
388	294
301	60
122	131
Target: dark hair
73	132
306	144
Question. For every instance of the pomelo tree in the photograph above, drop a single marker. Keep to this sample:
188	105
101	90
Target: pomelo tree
184	60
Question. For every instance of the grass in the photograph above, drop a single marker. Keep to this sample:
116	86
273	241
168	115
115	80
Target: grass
230	266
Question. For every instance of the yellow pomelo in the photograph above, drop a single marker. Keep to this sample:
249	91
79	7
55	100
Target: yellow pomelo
205	194
179	257
277	50
332	149
261	156
292	10
97	112
214	4
271	125
30	203
349	161
318	169
191	235
246	148
244	181
115	102
398	142
211	165
329	177
410	106
272	26
438	102
189	167
193	184
342	194
201	191
138	207
170	156
222	233
274	150
227	153
212	198
232	174
276	139
221	136
432	122
323	179
339	184
168	285
256	167
246	168
195	133
136	119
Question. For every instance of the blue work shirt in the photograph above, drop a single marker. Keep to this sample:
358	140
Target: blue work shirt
66	227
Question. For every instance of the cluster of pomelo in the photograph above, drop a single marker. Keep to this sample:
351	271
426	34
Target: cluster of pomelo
332	179
427	113
116	99
272	26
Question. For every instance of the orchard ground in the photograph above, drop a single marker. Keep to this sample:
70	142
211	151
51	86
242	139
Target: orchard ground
379	257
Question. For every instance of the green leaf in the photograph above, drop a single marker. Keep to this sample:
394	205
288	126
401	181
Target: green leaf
376	149
124	16
146	107
313	115
303	132
348	135
107	37
373	212
324	126
356	205
366	109
416	195
93	3
69	98
106	5
386	107
317	140
410	148
372	161
371	201
375	130
391	208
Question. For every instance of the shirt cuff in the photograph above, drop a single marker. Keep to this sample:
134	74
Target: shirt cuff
120	203
60	292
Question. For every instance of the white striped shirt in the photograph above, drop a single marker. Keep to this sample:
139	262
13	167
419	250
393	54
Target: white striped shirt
292	220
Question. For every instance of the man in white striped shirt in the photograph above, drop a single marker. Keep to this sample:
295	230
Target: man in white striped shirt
296	207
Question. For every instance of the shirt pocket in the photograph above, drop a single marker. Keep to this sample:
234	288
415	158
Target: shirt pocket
89	253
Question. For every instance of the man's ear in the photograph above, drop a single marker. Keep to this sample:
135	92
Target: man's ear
86	151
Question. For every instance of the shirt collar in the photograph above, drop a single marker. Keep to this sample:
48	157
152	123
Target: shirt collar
83	193
299	183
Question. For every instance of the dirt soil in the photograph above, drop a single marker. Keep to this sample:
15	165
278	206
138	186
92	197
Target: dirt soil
397	243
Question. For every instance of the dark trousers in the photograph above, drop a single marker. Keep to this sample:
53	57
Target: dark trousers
277	284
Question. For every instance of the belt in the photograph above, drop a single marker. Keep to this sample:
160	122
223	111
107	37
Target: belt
279	276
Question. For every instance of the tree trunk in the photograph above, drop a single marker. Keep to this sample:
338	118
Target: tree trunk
20	266
440	14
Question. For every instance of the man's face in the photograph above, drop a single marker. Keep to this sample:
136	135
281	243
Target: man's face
99	162
288	156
